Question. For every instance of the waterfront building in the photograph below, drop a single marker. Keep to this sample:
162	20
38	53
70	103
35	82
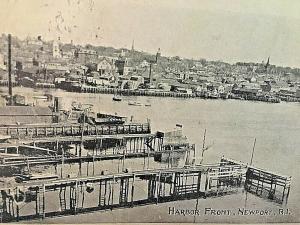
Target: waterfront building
13	115
105	67
287	92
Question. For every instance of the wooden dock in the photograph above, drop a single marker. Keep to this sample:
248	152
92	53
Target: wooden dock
263	183
93	193
71	196
140	92
54	151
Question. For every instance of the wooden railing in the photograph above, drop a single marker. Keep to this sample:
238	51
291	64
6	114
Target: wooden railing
73	130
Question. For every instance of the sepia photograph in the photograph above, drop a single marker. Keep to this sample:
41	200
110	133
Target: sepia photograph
149	111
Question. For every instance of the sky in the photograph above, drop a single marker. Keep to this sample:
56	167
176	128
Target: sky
227	30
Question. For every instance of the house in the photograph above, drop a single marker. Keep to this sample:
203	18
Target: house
67	51
104	66
13	115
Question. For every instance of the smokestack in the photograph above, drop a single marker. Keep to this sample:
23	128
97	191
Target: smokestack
9	70
157	55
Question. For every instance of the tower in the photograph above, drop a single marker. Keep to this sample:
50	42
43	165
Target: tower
55	49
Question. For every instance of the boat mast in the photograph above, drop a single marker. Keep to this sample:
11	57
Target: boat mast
252	152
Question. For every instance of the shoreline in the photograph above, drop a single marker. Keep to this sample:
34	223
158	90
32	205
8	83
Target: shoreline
165	94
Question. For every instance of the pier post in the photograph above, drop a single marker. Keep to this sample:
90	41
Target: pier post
134	143
112	189
130	140
37	203
100	146
158	190
87	168
18	213
199	182
132	189
99	196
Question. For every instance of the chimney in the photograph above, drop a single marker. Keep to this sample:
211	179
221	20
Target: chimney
9	70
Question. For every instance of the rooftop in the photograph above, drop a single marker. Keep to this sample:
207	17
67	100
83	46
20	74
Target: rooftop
25	111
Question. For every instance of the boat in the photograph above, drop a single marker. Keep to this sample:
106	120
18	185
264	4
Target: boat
109	119
117	98
134	103
148	103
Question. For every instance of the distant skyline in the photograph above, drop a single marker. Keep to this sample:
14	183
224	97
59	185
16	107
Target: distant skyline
227	30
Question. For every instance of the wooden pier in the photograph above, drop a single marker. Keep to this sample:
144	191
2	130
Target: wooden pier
263	183
86	194
73	149
140	92
93	193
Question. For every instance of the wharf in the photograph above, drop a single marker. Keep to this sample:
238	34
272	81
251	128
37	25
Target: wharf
87	194
113	191
140	92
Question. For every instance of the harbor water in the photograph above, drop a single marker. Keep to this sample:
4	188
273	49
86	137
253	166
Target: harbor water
231	128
